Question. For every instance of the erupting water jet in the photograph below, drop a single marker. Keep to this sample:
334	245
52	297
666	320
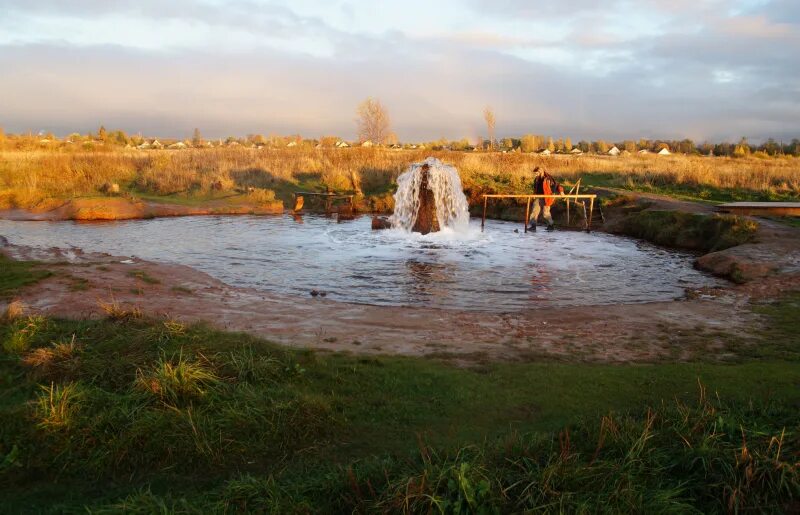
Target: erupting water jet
429	198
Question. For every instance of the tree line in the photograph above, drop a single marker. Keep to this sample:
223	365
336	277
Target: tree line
373	125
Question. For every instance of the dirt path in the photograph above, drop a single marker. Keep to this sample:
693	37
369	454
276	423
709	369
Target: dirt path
703	325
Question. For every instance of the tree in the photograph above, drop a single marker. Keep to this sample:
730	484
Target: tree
197	139
742	149
102	134
568	144
373	121
488	115
550	145
529	143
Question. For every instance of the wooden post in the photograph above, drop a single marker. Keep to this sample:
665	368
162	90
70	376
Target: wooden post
483	220
298	202
591	213
527	214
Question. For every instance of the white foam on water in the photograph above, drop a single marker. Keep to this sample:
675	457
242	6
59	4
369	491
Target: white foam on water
452	210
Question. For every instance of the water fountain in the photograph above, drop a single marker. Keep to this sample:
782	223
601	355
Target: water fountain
430	198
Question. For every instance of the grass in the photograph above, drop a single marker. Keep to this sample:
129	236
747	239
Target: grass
143	276
18	274
707	233
195	177
239	421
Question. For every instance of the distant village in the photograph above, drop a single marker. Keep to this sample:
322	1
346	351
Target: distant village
541	145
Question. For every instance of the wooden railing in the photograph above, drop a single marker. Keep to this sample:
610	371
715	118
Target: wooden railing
565	196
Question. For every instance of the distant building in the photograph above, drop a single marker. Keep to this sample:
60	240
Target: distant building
292	144
614	151
341	144
367	144
144	146
665	152
177	146
156	144
545	152
576	151
643	152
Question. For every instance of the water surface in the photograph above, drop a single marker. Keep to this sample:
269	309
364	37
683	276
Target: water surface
497	270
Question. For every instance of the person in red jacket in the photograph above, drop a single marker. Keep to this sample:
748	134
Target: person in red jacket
543	184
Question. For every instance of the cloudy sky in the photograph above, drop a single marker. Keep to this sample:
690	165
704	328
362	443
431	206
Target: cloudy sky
704	69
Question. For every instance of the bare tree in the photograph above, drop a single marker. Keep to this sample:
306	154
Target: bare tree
488	115
373	121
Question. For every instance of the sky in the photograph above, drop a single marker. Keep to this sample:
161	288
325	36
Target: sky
620	69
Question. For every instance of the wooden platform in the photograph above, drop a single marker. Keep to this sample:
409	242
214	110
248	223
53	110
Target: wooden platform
761	208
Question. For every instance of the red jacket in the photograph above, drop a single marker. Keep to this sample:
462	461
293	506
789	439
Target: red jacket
546	186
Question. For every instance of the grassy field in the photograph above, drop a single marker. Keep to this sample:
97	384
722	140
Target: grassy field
136	415
195	176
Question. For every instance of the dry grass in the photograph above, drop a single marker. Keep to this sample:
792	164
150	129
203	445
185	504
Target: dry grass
29	177
53	361
14	310
117	312
57	405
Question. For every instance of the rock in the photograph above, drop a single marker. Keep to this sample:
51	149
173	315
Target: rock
730	266
380	222
314	293
427	221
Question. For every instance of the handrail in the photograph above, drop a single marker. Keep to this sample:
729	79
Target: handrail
564	196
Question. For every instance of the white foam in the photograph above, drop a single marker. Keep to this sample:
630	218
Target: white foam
452	210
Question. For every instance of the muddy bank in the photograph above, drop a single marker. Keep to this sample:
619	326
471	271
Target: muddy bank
118	208
741	249
703	326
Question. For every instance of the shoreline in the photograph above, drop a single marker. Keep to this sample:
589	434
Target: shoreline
618	333
97	209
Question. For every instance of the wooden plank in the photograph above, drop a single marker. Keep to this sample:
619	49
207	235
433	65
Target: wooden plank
761	208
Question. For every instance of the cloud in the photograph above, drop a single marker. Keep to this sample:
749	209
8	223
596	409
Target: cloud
627	69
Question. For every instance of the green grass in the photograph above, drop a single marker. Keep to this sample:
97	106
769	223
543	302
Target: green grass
707	233
143	276
18	274
181	410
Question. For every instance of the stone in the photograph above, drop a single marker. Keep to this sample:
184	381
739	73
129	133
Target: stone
380	222
427	221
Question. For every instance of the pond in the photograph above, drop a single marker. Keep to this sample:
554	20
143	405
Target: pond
501	269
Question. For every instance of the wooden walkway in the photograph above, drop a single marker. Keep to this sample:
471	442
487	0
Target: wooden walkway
761	208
